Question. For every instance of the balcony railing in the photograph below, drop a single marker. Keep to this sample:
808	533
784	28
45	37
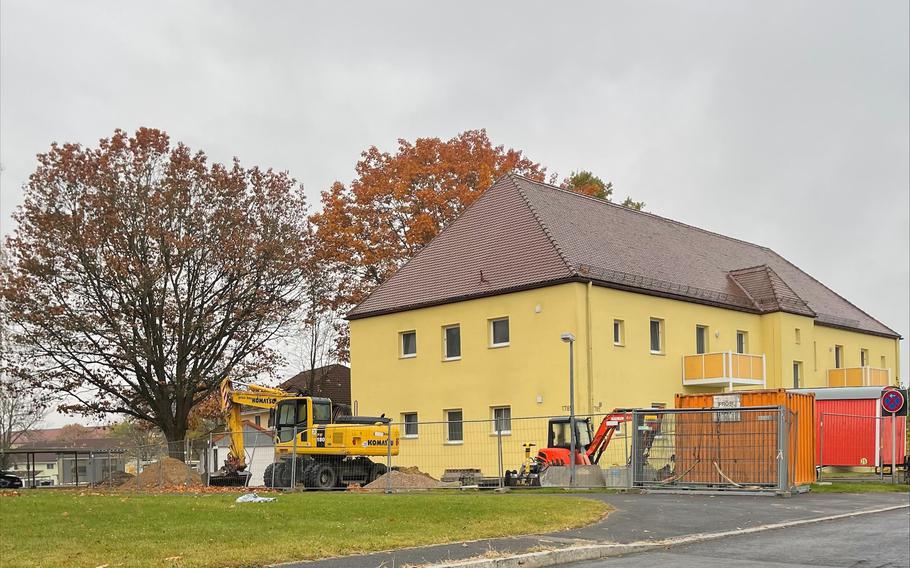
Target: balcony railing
723	369
859	377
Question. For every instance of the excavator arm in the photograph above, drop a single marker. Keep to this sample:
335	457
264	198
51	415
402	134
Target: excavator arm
232	399
604	434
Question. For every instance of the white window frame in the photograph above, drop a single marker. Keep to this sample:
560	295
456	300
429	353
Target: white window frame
620	326
493	344
448	422
798	374
445	342
864	357
404	423
839	362
661	336
745	336
401	353
707	332
493	410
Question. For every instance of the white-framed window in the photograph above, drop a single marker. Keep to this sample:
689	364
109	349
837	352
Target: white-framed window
701	339
454	426
409	419
838	356
502	419
798	336
742	342
408	343
863	357
797	373
451	342
657	336
499	332
619	332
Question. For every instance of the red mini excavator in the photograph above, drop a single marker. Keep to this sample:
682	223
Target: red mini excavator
589	445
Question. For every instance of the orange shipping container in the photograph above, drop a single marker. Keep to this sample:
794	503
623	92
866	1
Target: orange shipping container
737	445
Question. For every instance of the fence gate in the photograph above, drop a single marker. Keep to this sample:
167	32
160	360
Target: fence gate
730	449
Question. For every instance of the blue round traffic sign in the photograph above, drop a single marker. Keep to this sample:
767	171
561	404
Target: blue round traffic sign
892	400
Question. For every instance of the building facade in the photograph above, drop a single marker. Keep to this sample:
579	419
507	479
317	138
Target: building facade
469	329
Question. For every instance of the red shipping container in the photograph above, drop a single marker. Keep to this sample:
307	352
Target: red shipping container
850	430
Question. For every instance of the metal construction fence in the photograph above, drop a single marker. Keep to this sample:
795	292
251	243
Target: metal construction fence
729	449
747	448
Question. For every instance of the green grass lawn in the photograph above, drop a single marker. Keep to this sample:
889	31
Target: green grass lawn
860	487
50	528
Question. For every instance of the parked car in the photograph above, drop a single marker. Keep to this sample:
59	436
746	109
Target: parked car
9	481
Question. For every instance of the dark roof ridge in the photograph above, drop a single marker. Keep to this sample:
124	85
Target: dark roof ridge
822	284
543	226
646	213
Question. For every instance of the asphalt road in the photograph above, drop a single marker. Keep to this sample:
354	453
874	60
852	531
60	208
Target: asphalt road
879	540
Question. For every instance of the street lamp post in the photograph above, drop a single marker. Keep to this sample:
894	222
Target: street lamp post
569	338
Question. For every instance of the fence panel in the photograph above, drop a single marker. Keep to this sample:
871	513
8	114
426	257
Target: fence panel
738	448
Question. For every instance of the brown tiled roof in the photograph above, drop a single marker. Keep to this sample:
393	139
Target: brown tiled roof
524	234
332	381
768	292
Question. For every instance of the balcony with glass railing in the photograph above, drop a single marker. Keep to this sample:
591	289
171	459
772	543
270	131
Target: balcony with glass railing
723	369
859	377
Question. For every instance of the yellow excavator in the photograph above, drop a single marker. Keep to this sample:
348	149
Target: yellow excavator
311	448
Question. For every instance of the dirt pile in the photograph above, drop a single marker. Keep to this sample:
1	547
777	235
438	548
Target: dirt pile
168	472
116	478
405	478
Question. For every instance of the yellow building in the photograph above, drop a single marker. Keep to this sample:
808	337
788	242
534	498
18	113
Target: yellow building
469	329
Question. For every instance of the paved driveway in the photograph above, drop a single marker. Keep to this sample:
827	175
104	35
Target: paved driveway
880	540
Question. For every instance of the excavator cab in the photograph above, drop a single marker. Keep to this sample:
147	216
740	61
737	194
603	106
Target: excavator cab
559	433
300	413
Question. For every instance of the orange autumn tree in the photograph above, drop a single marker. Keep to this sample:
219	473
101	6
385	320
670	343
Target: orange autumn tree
400	201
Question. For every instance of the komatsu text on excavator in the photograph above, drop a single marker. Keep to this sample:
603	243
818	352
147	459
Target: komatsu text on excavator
312	448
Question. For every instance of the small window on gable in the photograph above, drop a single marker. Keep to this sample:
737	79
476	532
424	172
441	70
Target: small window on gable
499	332
619	332
451	338
742	342
798	336
408	343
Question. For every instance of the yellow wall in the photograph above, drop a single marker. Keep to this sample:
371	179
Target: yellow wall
534	364
531	374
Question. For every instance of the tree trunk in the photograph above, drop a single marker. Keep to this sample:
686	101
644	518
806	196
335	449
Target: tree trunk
176	442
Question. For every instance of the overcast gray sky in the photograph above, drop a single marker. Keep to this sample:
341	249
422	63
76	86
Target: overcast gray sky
782	123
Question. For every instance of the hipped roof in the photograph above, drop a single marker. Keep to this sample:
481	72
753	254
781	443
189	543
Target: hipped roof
523	234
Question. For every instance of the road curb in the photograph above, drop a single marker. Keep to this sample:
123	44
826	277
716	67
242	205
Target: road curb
604	550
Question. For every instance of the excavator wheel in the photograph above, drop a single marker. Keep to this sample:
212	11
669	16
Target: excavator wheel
321	476
279	472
